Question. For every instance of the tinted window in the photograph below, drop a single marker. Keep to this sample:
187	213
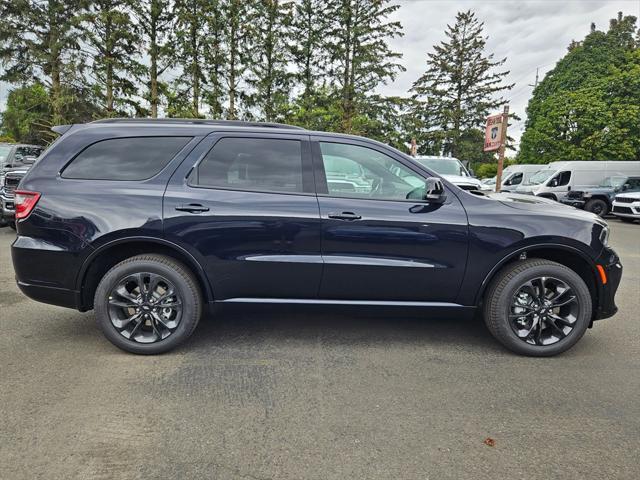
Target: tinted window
515	180
125	158
354	171
253	164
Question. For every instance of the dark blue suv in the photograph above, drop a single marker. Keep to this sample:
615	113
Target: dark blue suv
149	222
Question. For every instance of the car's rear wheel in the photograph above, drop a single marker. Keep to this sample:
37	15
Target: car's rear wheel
597	206
148	304
537	307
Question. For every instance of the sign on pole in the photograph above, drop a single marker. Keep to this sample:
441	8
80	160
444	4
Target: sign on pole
495	138
493	133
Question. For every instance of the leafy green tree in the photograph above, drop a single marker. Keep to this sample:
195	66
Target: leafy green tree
39	41
359	52
215	55
155	21
461	85
113	42
268	74
588	106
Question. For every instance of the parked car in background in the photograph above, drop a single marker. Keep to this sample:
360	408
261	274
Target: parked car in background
515	175
599	200
626	206
451	169
14	155
556	179
149	222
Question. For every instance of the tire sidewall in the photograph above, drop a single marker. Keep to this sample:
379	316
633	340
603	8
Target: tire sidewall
582	321
190	303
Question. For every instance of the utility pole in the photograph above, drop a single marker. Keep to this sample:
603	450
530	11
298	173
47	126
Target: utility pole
503	142
536	82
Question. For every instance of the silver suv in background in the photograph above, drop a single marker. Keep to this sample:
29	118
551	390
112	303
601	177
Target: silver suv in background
451	169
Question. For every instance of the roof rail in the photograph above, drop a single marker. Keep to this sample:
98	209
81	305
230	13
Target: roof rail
200	121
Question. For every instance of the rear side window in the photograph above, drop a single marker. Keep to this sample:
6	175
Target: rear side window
252	164
136	158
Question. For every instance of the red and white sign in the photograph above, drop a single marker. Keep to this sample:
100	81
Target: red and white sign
493	133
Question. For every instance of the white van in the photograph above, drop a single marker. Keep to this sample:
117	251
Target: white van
557	178
515	175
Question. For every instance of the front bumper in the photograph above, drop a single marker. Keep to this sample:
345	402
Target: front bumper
7	207
606	305
573	203
627	210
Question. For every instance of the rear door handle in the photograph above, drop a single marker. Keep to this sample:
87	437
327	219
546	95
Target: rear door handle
192	208
344	216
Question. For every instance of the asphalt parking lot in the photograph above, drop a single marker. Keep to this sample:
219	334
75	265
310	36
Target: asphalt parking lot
315	395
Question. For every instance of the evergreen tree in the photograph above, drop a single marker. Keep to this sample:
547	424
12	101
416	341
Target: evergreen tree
461	85
215	54
268	63
39	42
588	106
113	40
190	52
361	57
155	20
309	56
238	44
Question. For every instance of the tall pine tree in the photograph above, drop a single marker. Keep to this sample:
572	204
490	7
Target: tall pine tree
460	86
190	54
156	21
112	38
268	75
309	56
360	53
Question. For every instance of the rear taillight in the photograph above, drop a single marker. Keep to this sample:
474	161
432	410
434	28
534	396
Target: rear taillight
24	203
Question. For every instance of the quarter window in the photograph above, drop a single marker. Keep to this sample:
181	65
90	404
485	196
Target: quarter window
136	158
361	172
252	164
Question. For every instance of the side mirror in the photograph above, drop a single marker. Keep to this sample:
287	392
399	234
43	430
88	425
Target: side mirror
434	191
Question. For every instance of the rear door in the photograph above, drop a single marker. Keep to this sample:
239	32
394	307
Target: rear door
245	205
376	243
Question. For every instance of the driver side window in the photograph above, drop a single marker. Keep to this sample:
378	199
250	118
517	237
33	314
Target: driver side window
360	172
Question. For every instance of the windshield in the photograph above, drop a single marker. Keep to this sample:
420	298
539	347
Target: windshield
4	153
444	166
541	176
613	182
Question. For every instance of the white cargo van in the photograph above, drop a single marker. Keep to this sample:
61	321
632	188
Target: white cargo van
555	179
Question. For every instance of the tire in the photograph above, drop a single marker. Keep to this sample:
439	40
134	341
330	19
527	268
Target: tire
168	275
511	281
597	206
12	225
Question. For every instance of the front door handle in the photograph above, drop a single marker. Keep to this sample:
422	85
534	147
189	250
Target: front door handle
344	216
192	208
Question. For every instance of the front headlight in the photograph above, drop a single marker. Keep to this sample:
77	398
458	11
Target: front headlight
604	236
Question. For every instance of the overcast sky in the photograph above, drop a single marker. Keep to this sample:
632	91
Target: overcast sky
529	34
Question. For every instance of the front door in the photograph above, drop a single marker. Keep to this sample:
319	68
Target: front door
247	209
380	240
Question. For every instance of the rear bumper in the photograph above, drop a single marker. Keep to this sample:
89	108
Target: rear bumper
51	295
610	262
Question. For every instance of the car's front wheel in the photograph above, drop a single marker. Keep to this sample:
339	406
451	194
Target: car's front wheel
537	307
597	206
148	304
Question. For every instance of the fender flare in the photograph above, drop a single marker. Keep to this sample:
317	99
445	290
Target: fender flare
193	262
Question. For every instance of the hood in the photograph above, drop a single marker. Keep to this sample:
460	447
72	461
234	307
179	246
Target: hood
542	205
460	180
635	195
